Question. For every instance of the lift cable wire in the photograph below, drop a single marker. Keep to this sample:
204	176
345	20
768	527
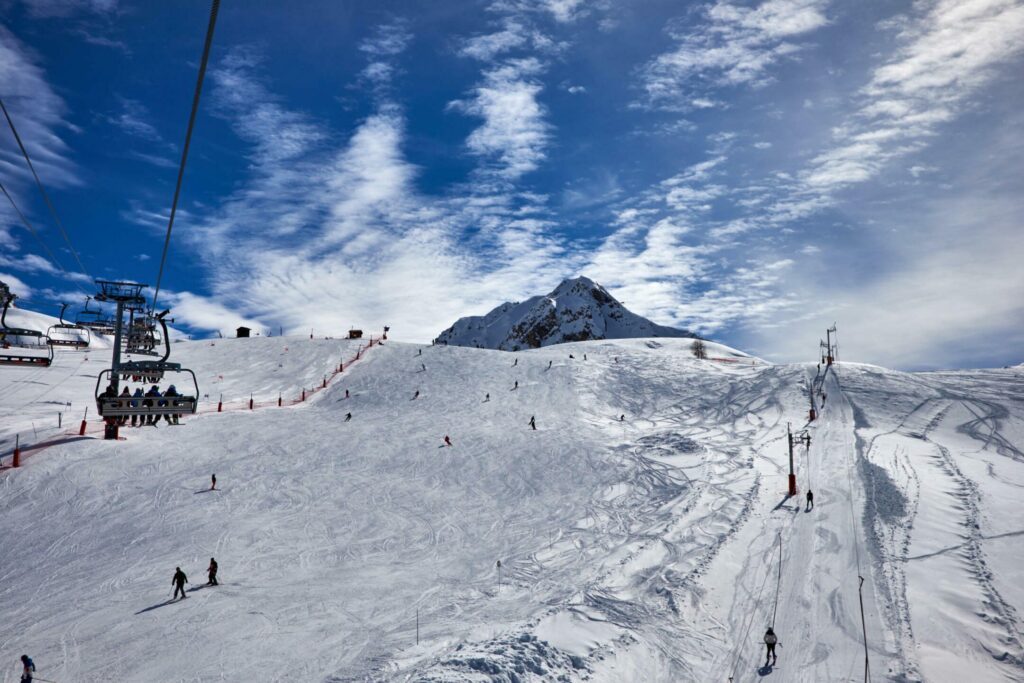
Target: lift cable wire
38	237
42	191
215	5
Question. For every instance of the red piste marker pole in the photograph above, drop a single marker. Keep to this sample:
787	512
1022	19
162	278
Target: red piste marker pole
220	404
279	400
250	402
17	451
81	430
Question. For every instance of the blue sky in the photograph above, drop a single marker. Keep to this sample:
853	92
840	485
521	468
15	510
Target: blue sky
751	170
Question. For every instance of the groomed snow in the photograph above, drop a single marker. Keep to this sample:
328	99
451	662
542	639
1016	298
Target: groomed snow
640	549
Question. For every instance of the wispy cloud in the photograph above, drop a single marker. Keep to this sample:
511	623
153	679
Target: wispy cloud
734	45
66	8
132	118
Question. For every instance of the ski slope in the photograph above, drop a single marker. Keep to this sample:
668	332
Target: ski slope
640	549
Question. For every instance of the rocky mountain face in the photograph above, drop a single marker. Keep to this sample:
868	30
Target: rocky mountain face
578	309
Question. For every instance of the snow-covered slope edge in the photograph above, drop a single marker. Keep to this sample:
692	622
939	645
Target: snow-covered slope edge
578	309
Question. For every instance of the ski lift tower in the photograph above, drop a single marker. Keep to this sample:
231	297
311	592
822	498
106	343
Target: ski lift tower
832	344
122	294
801	437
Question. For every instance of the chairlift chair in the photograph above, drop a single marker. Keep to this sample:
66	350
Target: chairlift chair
20	346
148	372
94	320
71	335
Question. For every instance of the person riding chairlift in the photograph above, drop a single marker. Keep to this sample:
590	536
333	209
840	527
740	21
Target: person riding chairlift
136	402
171	393
154	392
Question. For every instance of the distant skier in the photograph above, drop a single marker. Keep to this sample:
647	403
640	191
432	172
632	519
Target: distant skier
348	417
770	640
447	441
622	418
584	356
572	356
179	582
515	362
810	499
533	423
487	397
549	364
213	482
420	352
516	385
423	367
416	395
28	667
211	572
346	393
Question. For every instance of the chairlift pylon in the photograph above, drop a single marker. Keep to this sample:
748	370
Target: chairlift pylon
116	409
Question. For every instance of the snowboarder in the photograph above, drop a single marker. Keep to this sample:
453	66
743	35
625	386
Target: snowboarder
179	582
770	640
416	395
213	482
212	573
533	423
447	441
348	417
810	499
28	668
622	418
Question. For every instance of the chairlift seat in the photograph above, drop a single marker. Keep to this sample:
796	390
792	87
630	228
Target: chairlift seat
121	406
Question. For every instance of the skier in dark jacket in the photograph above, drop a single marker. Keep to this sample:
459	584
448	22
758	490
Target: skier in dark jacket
150	402
770	640
533	423
28	668
810	499
137	403
212	572
179	582
213	482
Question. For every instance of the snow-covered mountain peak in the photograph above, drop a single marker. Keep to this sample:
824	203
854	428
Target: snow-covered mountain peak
578	309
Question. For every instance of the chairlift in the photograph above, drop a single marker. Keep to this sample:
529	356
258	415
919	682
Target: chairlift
70	335
20	346
150	372
94	320
140	336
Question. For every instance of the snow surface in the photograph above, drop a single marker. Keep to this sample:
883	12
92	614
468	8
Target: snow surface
578	309
642	549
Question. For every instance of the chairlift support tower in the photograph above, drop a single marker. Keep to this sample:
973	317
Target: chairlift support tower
122	294
801	437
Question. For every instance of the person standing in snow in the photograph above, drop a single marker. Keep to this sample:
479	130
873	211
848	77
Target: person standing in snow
179	582
810	499
447	441
584	356
423	367
549	364
348	417
416	395
516	385
770	640
28	667
533	423
487	397
420	353
346	393
213	482
211	572
515	362
622	418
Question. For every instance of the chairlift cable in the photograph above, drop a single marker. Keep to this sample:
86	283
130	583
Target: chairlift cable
38	237
214	6
42	191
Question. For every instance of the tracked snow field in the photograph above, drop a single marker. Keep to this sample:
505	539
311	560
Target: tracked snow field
643	529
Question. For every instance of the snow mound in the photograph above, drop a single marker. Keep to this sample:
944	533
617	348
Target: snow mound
578	309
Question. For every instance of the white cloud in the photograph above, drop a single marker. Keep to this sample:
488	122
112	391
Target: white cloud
734	45
16	285
515	134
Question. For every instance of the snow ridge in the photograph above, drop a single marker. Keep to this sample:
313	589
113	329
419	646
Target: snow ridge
579	309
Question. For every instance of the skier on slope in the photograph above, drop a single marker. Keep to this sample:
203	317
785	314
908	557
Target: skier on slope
487	397
447	441
810	499
423	367
416	395
770	641
515	362
212	573
516	385
179	582
549	364
28	667
533	423
213	482
348	417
